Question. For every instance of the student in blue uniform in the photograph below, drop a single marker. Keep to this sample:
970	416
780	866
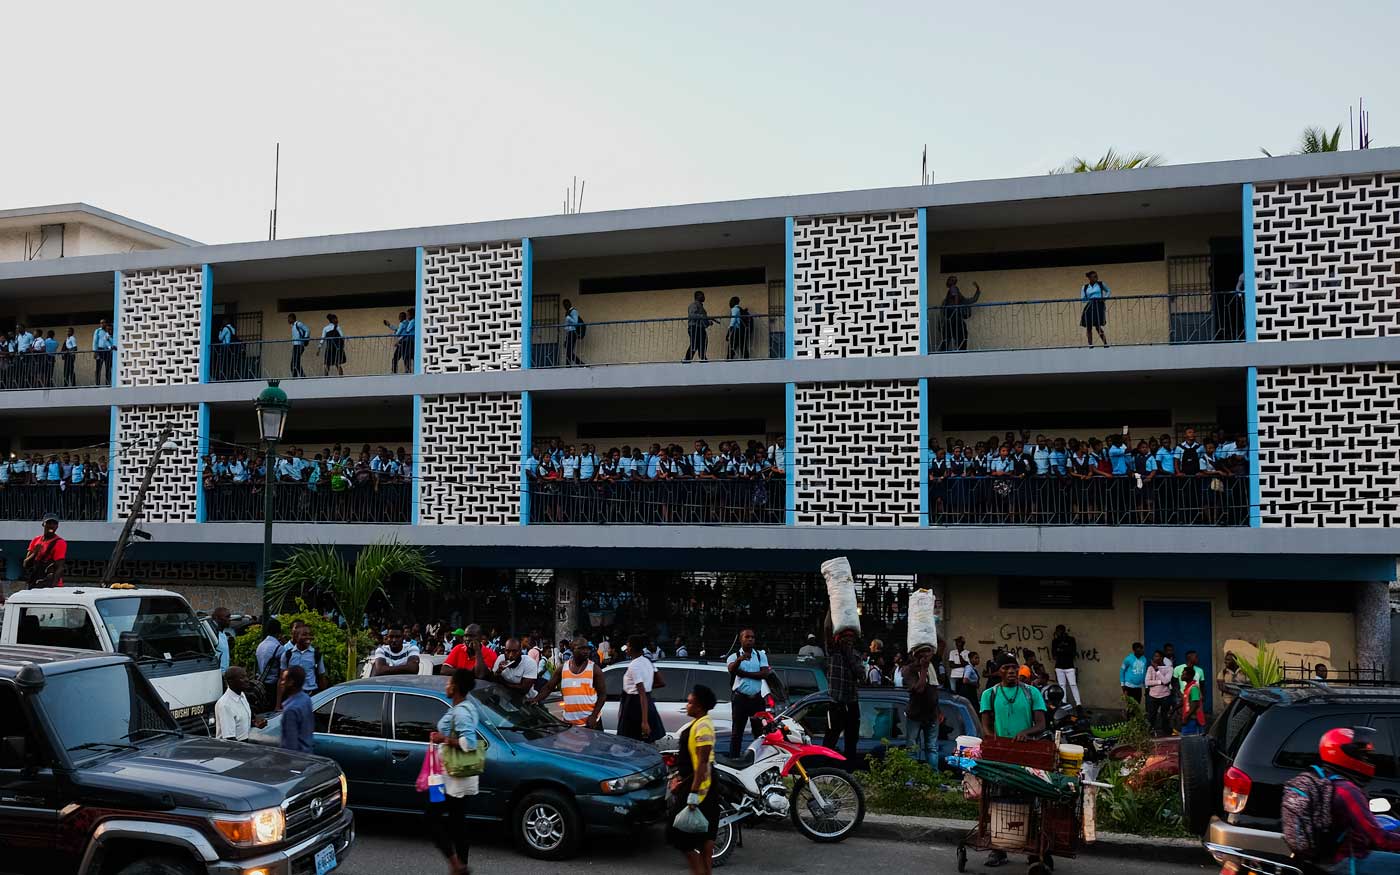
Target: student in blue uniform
1095	295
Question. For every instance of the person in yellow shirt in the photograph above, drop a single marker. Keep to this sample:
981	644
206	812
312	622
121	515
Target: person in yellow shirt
692	785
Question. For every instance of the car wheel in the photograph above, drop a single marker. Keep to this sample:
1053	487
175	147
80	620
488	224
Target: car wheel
158	866
547	825
1197	759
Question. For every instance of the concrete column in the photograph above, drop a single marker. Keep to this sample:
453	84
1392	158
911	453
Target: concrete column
566	587
1373	624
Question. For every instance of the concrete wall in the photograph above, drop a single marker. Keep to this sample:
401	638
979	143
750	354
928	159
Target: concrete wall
972	611
79	238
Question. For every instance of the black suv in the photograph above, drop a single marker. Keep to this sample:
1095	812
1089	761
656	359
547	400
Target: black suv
1232	778
97	778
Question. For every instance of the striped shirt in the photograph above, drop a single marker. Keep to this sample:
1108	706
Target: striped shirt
580	696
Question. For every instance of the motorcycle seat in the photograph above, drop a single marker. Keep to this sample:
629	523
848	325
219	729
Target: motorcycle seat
742	762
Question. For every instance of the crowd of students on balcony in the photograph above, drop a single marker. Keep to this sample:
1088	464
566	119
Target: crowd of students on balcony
29	359
732	482
71	485
335	484
1113	480
235	359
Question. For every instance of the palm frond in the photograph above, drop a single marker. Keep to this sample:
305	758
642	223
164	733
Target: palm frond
1111	160
1316	139
314	566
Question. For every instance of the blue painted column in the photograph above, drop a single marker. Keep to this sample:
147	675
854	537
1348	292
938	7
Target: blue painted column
206	322
116	322
923	295
201	450
112	463
790	463
789	316
925	511
1251	290
421	327
527	437
527	306
1252	429
417	494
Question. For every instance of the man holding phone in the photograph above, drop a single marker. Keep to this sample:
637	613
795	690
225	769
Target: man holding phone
473	654
749	668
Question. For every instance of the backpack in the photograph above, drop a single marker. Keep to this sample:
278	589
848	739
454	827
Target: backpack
580	327
1307	814
1190	460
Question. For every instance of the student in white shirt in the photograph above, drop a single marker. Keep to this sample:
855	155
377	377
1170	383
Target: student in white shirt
300	334
233	716
70	359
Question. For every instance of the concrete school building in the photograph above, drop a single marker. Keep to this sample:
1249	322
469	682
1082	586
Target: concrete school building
1255	298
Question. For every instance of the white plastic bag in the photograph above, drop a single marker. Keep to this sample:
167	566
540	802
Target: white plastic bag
923	622
841	593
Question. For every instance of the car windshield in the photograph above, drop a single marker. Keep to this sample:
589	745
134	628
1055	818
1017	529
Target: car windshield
97	710
504	710
158	627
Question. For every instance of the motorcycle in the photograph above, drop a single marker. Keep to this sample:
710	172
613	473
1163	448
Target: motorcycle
1240	861
771	781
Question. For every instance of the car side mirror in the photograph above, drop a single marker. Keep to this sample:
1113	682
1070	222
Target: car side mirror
14	753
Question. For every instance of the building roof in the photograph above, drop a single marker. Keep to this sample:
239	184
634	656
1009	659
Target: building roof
58	211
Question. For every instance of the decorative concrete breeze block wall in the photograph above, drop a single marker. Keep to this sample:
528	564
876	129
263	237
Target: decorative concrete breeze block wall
856	285
1329	438
471	307
1327	252
159	335
479	487
174	488
856	453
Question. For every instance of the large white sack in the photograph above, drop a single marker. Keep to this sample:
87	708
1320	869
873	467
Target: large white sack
841	593
923	622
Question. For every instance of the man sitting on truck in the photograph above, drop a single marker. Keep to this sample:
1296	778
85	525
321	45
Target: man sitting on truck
44	560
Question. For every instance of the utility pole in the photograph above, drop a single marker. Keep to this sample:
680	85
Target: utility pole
136	506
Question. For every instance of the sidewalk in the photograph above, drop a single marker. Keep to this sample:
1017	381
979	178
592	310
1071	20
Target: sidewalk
937	830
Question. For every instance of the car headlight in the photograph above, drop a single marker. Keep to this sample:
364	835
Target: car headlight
344	791
627	783
264	827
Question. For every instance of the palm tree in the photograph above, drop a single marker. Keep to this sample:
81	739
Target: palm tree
1315	139
320	567
1111	160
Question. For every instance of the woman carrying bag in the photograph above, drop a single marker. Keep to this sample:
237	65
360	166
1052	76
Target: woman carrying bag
696	819
463	754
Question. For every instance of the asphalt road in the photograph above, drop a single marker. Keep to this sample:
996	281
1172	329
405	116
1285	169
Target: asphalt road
398	845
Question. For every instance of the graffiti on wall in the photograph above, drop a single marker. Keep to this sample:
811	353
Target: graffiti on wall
1037	637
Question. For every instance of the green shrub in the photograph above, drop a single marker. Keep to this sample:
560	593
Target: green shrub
328	639
1153	810
897	783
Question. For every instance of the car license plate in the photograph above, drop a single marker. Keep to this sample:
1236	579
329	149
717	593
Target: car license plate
191	711
325	860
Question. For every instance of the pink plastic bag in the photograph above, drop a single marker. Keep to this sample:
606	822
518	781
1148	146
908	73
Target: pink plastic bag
432	766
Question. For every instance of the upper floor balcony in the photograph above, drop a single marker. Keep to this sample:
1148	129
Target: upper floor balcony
55	462
58	340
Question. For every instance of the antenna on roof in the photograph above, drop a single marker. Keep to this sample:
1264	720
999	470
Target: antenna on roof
573	197
276	185
925	175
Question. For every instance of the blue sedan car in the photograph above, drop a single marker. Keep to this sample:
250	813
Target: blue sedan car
550	782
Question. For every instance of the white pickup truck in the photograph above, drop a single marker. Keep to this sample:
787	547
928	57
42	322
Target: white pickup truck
155	627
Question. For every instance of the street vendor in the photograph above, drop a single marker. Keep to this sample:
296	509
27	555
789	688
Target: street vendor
1011	709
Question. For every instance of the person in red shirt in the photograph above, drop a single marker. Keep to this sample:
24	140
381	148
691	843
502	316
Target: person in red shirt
472	654
43	561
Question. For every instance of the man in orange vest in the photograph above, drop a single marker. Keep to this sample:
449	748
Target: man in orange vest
583	686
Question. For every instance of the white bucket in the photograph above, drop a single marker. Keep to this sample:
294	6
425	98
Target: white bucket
967	745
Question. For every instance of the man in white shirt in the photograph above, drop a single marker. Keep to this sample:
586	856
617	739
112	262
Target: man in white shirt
395	656
811	649
957	663
300	334
233	717
516	669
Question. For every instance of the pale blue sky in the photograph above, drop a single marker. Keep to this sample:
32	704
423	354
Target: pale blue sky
403	114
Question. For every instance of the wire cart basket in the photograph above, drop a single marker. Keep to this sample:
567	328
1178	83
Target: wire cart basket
1017	821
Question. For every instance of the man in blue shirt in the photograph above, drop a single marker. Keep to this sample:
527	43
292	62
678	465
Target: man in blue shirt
102	345
587	463
1132	673
402	348
300	335
298	720
220	618
226	354
300	654
573	333
55	470
748	667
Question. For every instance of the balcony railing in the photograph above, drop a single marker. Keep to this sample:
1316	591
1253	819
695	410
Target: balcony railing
1202	500
369	502
657	340
362	356
32	501
1125	320
63	370
657	502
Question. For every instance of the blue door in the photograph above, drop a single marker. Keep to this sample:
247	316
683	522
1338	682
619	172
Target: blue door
1187	626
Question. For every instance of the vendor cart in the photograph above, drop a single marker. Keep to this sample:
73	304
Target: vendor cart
1025	807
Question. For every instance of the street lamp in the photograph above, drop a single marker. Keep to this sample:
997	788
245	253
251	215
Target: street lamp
272	407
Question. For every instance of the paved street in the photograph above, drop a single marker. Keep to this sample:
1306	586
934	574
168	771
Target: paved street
397	845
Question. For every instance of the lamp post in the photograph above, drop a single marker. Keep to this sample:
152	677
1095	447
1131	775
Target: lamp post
272	407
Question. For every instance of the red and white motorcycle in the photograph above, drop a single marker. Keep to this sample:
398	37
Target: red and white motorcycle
772	780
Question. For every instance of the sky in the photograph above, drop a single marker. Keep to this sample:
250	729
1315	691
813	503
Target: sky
406	114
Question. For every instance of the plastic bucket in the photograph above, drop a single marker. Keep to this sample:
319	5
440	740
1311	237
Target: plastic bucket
967	745
1071	759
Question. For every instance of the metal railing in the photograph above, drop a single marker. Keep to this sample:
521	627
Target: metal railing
362	356
62	370
1125	321
690	501
31	501
368	502
657	340
1202	500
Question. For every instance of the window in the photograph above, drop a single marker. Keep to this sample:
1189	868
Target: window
1078	256
13	721
1288	595
323	716
415	717
614	677
799	682
1300	750
57	627
1031	592
154	626
1387	754
880	720
94	707
696	279
359	714
677	687
312	308
815	718
952	725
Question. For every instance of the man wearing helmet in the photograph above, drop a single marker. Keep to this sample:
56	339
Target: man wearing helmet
1349	756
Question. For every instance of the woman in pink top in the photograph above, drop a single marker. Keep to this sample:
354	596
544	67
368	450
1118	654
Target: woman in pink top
1159	694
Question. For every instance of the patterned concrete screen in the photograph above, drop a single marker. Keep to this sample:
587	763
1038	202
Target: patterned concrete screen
1327	252
173	492
471	307
856	285
856	453
469	460
158	335
1329	442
